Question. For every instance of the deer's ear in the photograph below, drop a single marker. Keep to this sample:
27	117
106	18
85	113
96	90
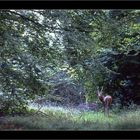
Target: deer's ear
102	88
97	91
97	88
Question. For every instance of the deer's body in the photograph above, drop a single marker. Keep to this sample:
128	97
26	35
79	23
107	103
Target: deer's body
106	101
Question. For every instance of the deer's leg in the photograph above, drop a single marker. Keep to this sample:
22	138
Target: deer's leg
107	108
107	111
104	109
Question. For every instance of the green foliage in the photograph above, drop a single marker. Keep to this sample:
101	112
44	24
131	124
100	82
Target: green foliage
27	59
37	44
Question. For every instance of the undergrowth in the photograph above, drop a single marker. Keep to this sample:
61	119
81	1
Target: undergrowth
68	120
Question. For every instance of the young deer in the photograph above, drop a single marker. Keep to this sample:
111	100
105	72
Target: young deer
106	100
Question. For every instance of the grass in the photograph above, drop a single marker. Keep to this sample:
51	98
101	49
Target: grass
128	120
72	120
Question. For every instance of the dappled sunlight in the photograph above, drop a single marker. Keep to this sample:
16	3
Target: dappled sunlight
72	69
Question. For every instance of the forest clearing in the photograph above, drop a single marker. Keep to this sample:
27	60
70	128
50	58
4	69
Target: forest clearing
70	69
69	119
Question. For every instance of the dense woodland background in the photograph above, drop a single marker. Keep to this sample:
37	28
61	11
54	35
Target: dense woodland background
62	56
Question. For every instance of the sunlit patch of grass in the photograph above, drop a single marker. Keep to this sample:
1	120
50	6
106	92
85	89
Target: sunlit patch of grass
96	121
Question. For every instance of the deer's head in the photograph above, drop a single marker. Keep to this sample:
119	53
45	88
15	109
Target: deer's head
99	92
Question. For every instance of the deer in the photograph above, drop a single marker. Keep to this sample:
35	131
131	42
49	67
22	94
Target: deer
106	100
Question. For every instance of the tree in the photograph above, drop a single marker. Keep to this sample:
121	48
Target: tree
37	44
